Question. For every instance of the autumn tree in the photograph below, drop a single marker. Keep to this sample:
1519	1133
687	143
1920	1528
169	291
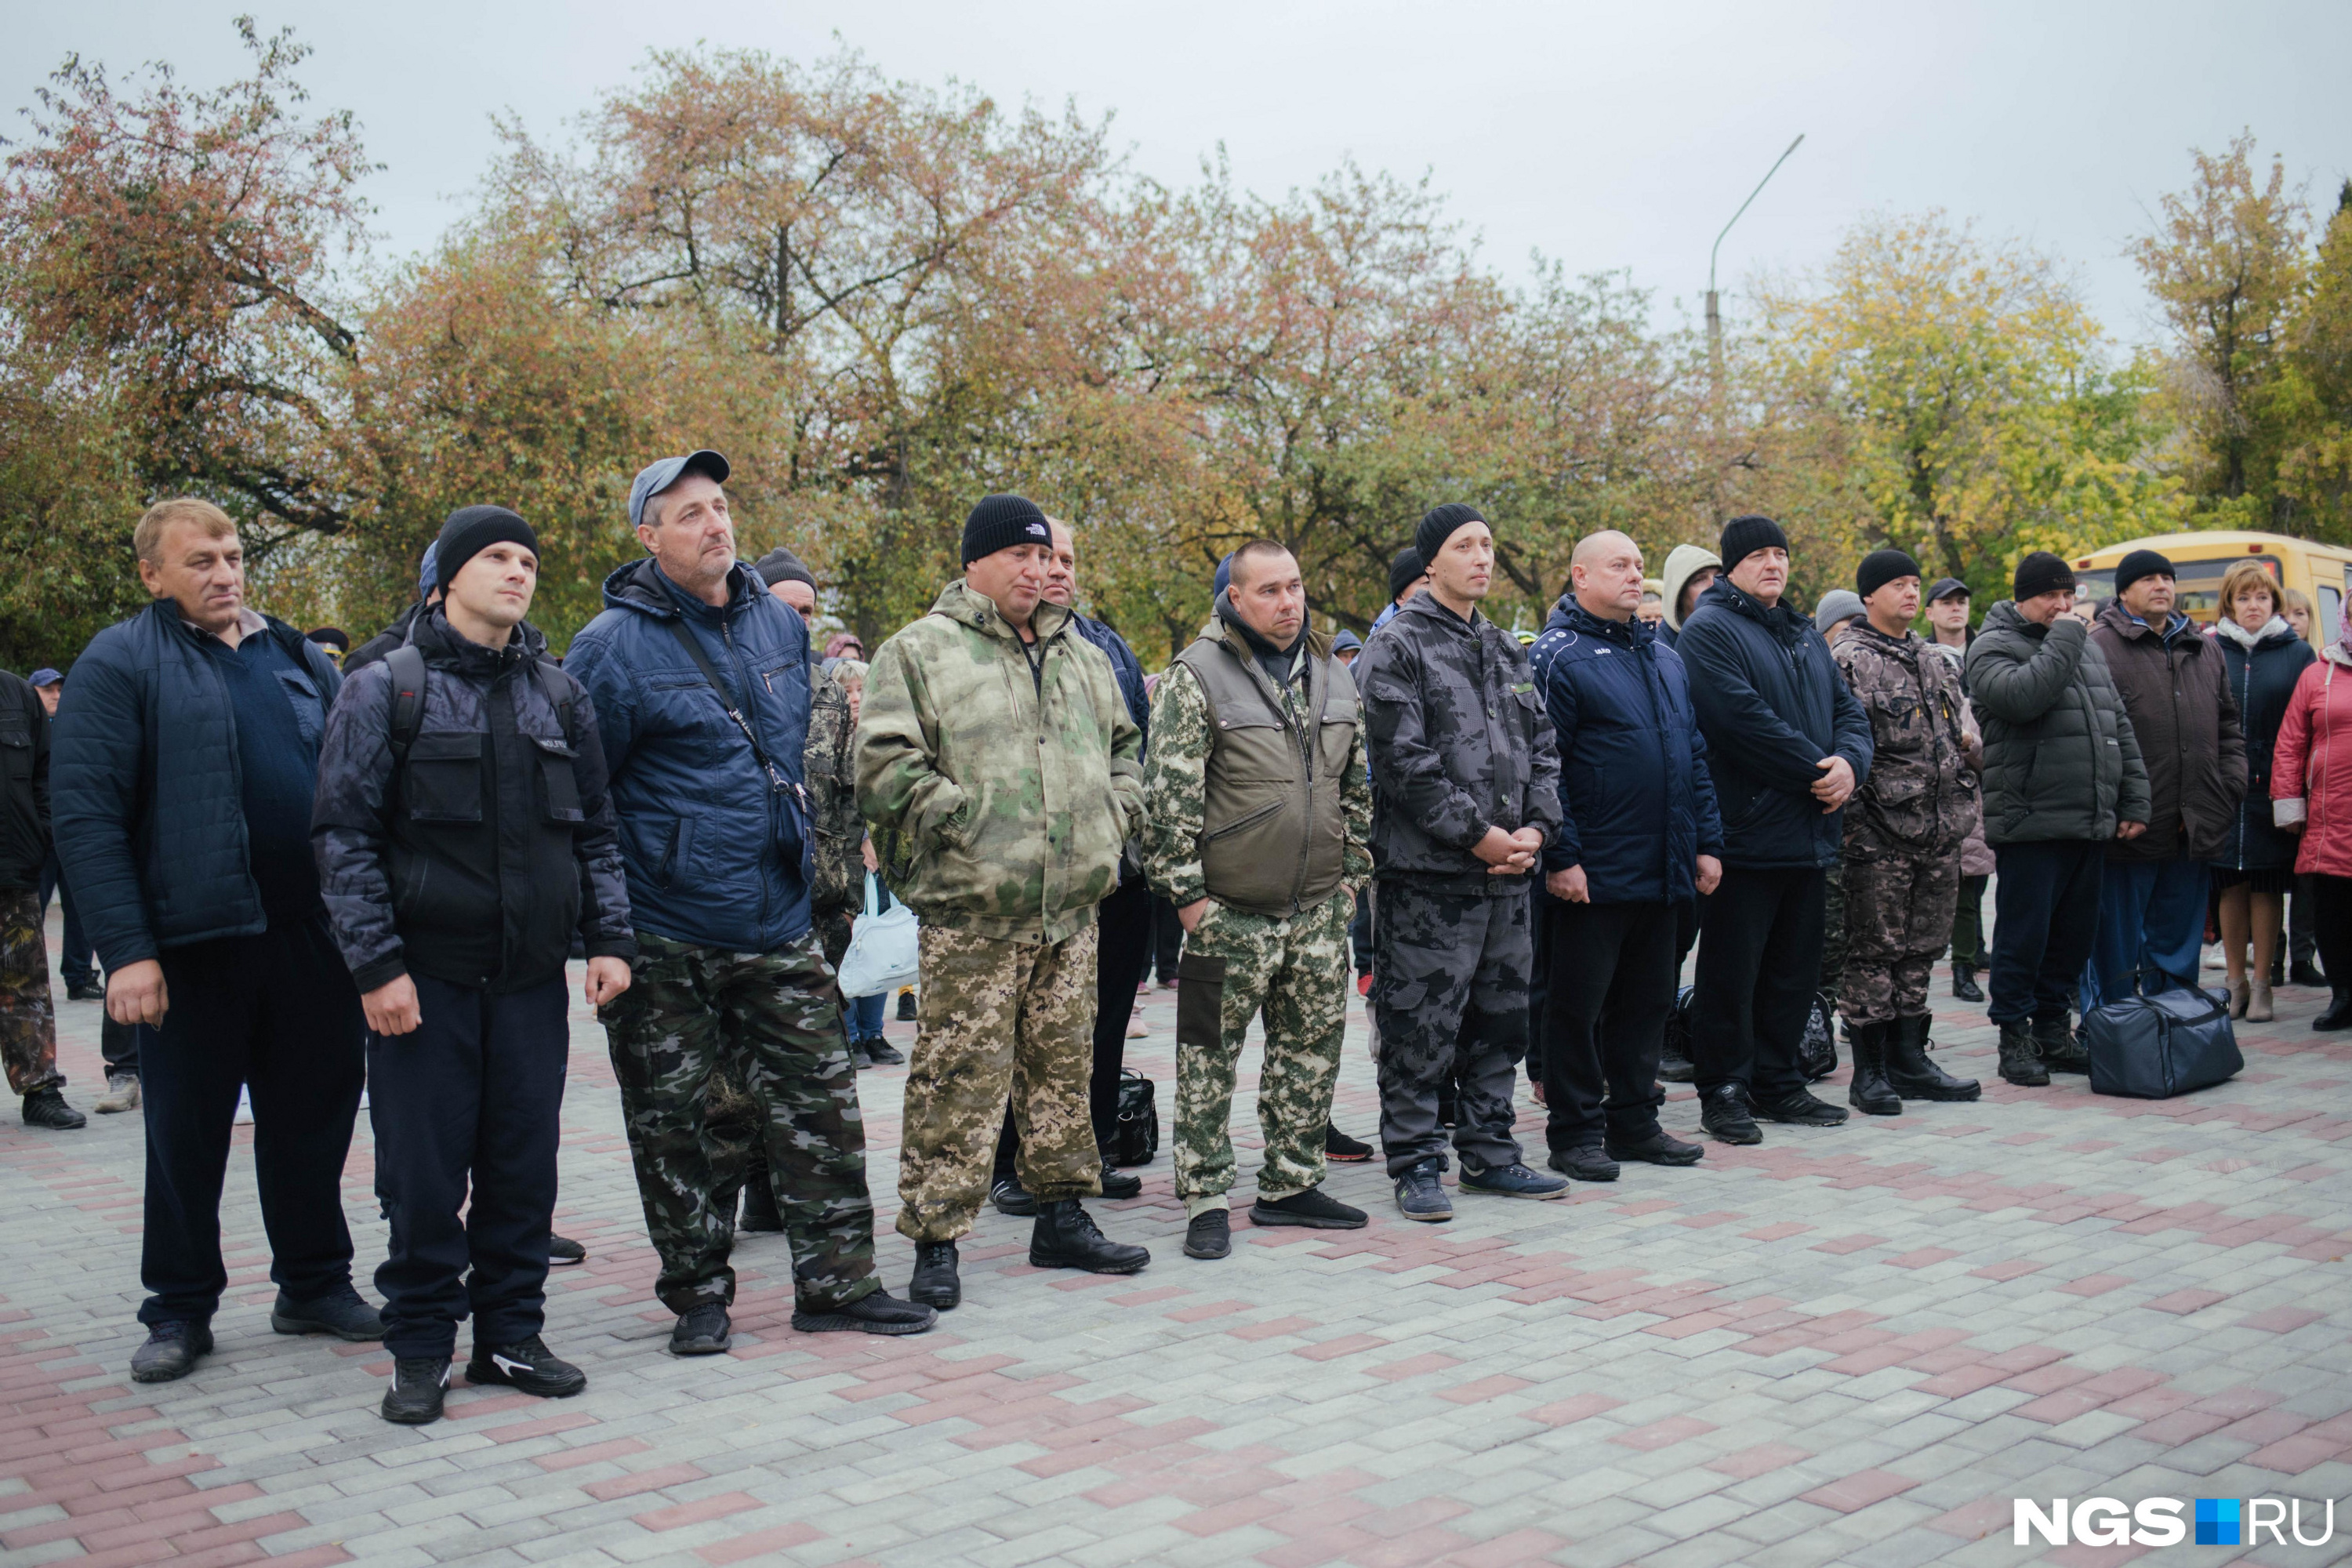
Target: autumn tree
2315	395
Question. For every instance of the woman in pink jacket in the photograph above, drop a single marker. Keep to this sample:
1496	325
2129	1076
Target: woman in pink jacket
2311	793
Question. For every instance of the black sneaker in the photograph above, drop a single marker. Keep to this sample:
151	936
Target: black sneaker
906	1006
701	1331
1512	1181
1421	1195
1347	1151
1065	1237
86	991
172	1351
935	1283
47	1108
419	1385
881	1053
1313	1208
1117	1185
1586	1162
1011	1198
1659	1148
339	1312
1799	1109
1209	1235
527	1365
875	1312
562	1252
1723	1112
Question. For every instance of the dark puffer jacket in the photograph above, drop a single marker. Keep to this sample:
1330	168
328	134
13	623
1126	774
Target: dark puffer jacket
2262	680
480	865
24	785
2178	695
2061	761
1773	706
717	856
1460	743
146	789
1637	804
384	641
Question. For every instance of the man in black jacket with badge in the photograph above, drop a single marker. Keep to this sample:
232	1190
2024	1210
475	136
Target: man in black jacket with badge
1787	744
463	837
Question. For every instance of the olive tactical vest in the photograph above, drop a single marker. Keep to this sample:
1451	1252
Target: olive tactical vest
1273	832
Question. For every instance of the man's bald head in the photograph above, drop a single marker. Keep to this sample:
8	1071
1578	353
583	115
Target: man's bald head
1605	574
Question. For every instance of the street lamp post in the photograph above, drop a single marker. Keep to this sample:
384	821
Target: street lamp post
1714	311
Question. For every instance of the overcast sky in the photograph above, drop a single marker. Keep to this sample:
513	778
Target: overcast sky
1607	136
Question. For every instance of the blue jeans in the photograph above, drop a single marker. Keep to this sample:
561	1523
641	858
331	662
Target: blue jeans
865	1016
2151	918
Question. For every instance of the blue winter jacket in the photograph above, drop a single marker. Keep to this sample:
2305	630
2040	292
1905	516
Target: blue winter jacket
147	800
1772	705
716	855
1637	804
1123	664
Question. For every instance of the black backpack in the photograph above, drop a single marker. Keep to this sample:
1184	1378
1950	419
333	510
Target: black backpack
1817	1055
1137	1139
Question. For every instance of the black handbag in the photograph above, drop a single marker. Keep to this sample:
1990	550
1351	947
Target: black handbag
1817	1055
2153	1047
1137	1139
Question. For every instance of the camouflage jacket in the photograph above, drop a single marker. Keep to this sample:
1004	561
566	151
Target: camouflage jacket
840	881
1920	794
1001	780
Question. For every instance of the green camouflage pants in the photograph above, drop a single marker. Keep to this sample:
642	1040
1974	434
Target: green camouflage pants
997	1018
1296	969
1899	916
733	1119
28	1019
766	1025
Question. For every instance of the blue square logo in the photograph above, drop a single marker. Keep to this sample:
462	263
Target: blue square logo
2218	1522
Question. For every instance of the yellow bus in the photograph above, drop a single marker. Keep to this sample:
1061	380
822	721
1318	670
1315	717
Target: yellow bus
2323	572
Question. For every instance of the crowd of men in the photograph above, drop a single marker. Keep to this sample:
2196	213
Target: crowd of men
303	879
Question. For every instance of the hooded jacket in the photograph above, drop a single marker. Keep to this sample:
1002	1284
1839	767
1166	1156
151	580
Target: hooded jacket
2060	759
2262	668
478	862
718	853
2178	695
1772	705
1921	796
2311	769
146	790
1460	743
1683	561
1637	802
1001	779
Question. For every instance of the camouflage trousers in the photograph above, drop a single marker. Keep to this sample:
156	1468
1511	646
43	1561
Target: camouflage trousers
1834	941
697	1029
28	1019
1296	968
997	1018
732	1121
1899	916
1450	980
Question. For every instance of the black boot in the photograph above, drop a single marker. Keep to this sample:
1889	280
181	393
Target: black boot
2021	1058
1869	1091
2338	1015
1011	1198
1117	1185
1964	982
2305	973
759	1211
2061	1050
1912	1075
934	1282
1066	1237
1674	1065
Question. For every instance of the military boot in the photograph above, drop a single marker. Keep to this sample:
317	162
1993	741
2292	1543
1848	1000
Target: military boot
1912	1075
1066	1237
2021	1058
1870	1092
2061	1051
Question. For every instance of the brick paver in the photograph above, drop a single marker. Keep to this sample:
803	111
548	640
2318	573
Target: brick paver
1850	1346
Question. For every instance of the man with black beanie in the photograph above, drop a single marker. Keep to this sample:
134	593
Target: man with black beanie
1786	745
2063	778
466	762
1408	575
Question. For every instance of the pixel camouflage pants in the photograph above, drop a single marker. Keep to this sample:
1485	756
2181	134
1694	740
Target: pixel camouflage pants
771	1022
1899	916
1296	969
997	1018
28	1019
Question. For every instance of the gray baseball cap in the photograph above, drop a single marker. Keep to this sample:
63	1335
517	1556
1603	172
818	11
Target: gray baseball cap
656	478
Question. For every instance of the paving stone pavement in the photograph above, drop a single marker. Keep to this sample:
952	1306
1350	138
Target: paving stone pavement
1853	1346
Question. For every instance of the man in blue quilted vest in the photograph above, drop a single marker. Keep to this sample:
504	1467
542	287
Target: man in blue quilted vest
184	760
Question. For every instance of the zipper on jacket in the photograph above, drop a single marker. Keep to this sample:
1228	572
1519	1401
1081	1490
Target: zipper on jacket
743	674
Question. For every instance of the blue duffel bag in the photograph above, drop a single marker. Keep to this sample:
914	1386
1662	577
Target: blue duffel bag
2153	1047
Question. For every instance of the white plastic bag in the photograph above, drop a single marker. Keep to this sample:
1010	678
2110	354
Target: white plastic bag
883	953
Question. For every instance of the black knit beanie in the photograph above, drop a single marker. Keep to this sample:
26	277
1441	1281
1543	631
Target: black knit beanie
1407	569
1880	567
1438	527
2141	564
1744	536
472	530
2039	573
1000	522
781	565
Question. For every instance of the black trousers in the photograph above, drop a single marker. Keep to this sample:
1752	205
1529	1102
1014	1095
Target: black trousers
1122	956
1759	965
2331	911
1612	984
76	961
2045	920
1167	940
466	1109
277	1013
2301	935
1359	931
1968	924
118	1046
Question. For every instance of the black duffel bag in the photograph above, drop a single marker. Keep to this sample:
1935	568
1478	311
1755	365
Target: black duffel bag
2153	1047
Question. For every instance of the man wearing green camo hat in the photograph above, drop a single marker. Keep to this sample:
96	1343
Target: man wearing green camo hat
998	766
1259	822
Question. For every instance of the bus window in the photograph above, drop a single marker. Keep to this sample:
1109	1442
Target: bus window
2094	587
2331	612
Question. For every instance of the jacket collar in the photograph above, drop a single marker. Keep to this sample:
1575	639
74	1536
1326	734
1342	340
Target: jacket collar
1567	614
642	586
961	602
1906	647
1424	606
442	645
2276	632
1238	634
2126	624
1778	619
